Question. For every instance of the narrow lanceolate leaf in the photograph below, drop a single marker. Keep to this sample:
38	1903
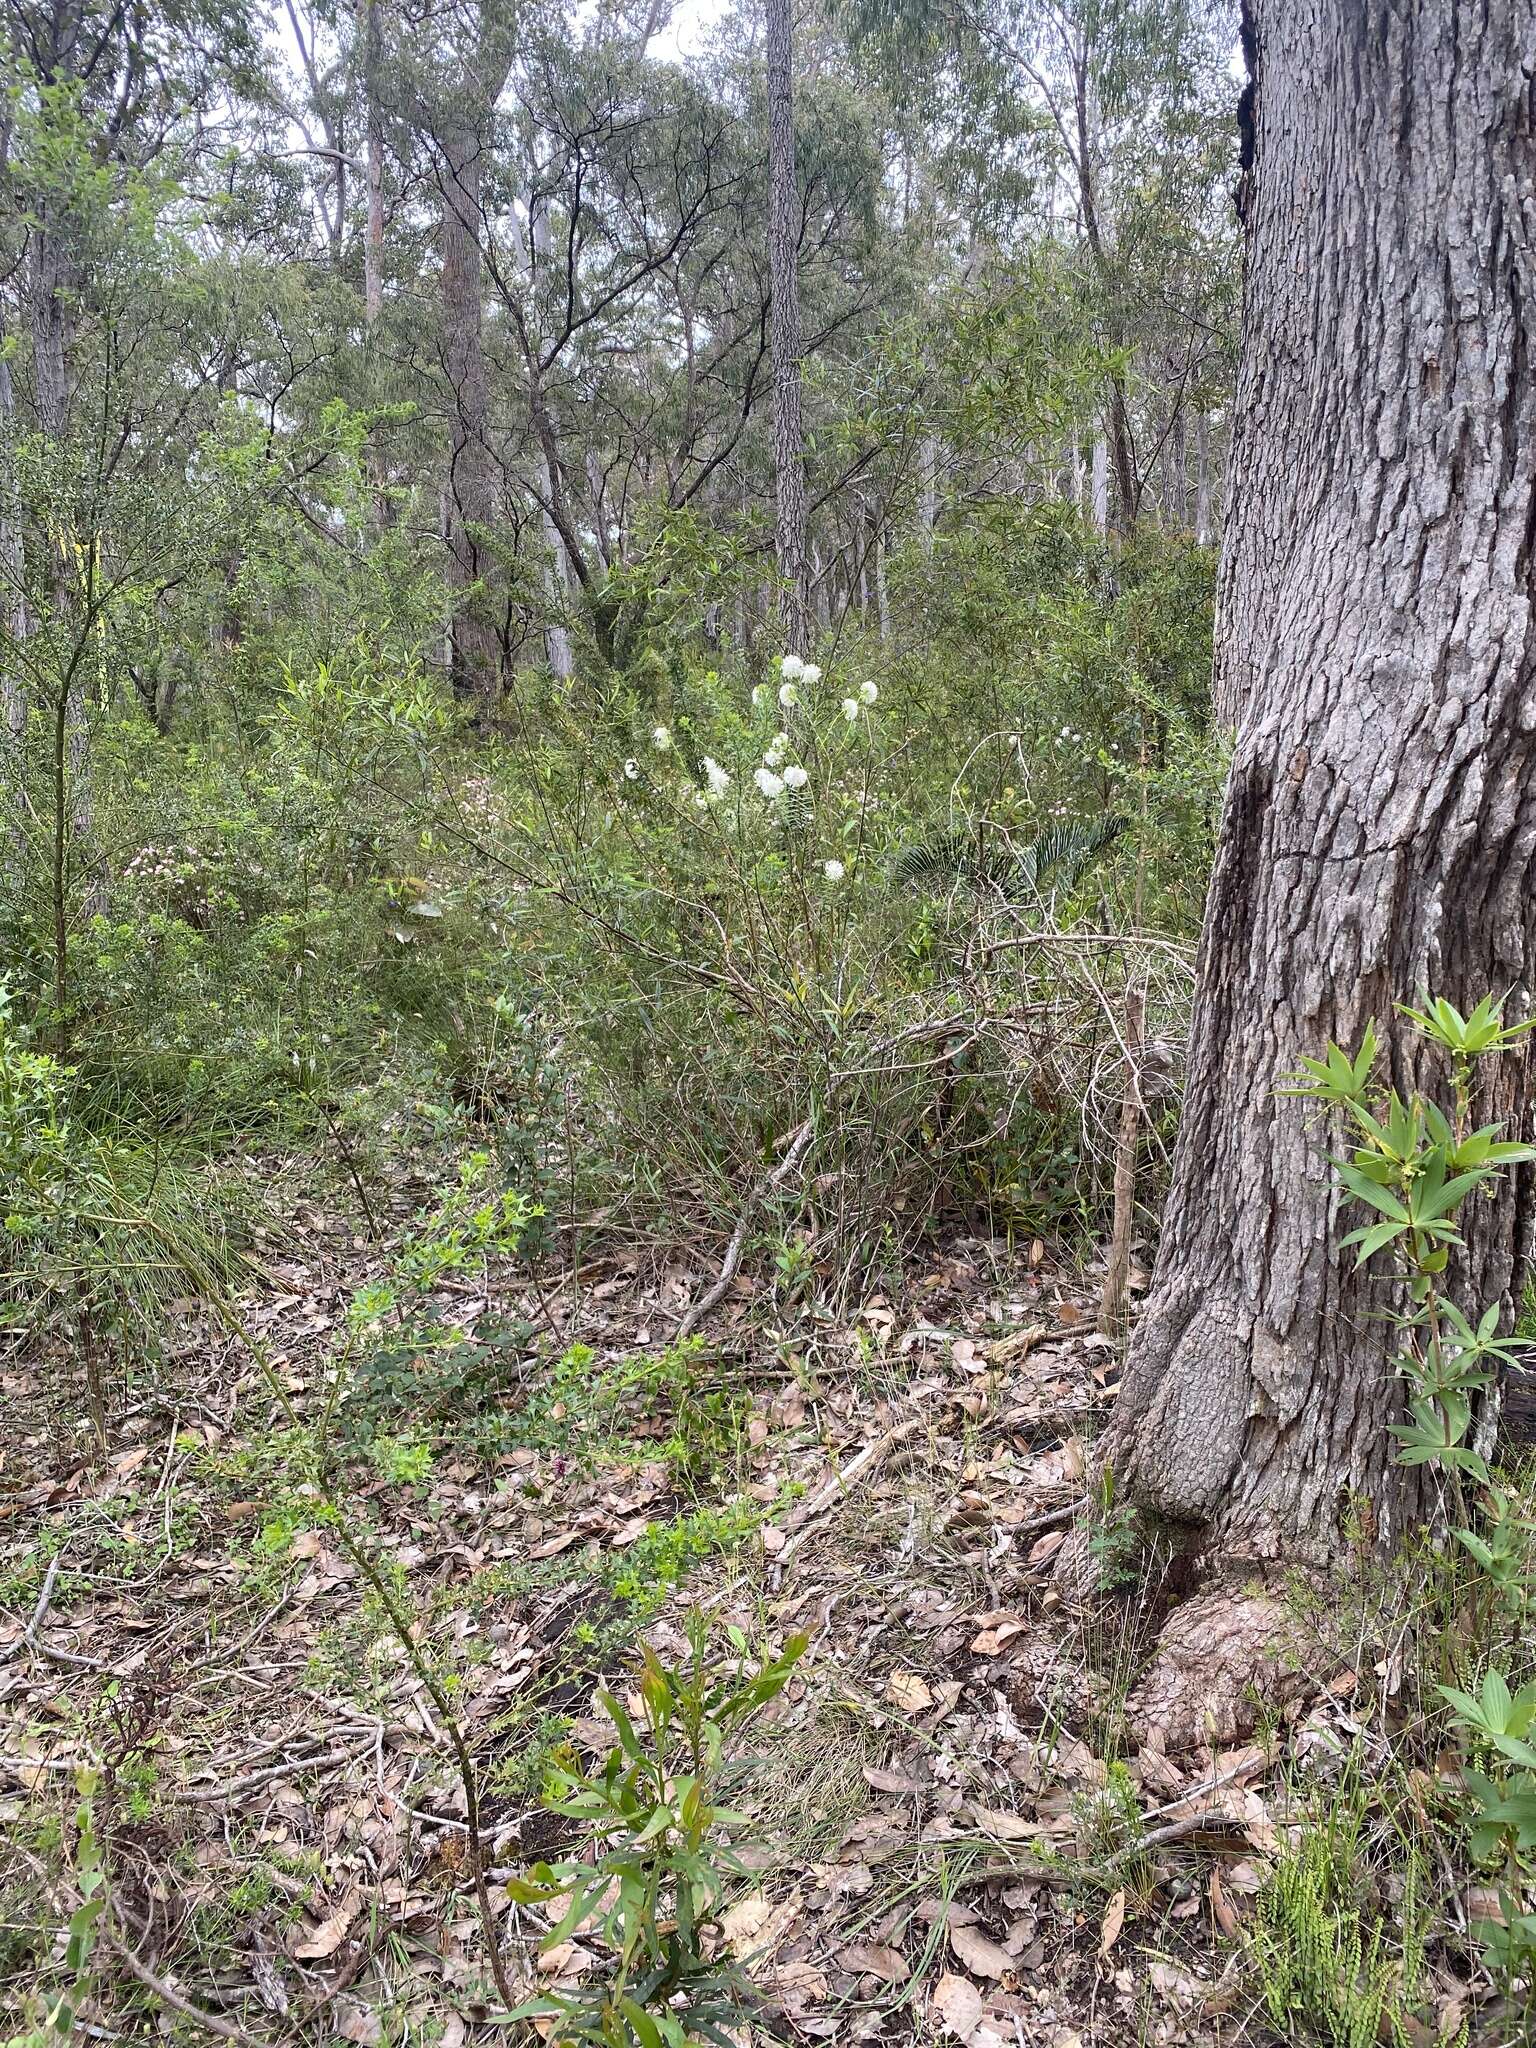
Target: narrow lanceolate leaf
1372	1240
1366	1190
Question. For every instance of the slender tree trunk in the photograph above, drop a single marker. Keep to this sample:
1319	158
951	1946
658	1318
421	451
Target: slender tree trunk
557	639
48	302
471	493
1176	474
1101	484
928	494
373	130
1376	651
1203	478
13	605
784	329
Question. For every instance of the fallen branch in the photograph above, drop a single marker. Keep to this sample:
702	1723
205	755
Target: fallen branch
838	1487
170	1996
765	1187
290	1767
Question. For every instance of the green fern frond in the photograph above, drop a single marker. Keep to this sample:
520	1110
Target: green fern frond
1062	854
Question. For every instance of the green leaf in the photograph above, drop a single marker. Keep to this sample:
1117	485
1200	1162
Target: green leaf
1497	1701
1372	1240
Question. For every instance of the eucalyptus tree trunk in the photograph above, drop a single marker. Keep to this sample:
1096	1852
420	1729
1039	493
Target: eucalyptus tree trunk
1376	652
1203	527
784	327
928	494
13	606
471	492
373	163
1101	484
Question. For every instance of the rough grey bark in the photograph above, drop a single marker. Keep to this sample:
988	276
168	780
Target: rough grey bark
784	327
1377	655
13	607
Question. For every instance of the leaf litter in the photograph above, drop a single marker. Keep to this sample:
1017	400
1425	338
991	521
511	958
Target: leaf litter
950	1835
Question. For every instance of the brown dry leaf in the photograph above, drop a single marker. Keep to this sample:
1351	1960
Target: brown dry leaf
742	1923
1114	1920
800	1987
873	1959
957	2004
330	1934
977	1953
1222	1909
1046	1546
906	1690
1004	1827
899	1782
357	2023
755	1927
992	1641
565	1960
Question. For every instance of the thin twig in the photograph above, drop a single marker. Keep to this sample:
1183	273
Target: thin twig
770	1181
837	1488
44	1597
170	1996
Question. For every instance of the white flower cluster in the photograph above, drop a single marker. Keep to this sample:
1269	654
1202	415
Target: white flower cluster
661	739
869	693
192	881
795	672
1069	737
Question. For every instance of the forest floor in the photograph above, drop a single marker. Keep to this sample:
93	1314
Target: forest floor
955	1833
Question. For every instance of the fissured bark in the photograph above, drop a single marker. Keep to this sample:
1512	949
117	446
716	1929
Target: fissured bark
1376	654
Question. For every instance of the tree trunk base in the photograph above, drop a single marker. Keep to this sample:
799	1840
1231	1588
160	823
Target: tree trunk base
1225	1660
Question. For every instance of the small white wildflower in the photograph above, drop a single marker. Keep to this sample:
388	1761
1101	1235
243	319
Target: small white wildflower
788	695
795	776
851	709
810	674
770	784
631	771
1066	732
792	668
719	782
869	693
778	747
661	739
833	870
759	692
